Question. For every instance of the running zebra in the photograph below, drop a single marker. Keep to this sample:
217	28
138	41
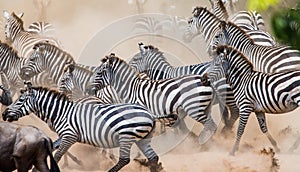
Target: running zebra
11	65
46	58
254	91
152	62
264	58
106	126
168	97
205	23
74	83
22	40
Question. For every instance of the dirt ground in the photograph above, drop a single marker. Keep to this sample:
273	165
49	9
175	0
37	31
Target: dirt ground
77	22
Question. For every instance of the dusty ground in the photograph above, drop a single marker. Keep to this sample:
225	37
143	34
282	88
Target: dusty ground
76	23
188	155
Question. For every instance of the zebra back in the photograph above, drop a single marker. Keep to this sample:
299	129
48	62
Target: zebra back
41	28
267	59
151	60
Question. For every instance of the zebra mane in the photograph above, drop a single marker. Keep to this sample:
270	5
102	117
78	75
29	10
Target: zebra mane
54	92
233	26
232	53
197	11
156	51
49	47
113	58
19	20
223	8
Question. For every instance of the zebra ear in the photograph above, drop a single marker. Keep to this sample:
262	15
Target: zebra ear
6	15
142	47
20	15
111	58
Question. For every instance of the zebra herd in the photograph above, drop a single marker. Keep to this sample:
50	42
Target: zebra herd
118	103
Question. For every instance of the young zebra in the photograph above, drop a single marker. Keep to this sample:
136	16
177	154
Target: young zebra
107	126
22	40
255	91
205	23
264	58
152	62
162	97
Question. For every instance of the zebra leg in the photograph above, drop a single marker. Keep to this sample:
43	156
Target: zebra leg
225	117
56	145
145	147
209	129
244	116
261	117
65	144
181	123
124	159
295	145
234	115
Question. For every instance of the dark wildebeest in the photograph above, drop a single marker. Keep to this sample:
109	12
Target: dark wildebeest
23	146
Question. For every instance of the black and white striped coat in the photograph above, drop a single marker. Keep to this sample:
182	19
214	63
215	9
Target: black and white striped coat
162	97
106	126
22	40
255	91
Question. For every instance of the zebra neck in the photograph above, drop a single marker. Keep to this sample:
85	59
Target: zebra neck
239	73
124	79
209	24
55	65
54	110
81	80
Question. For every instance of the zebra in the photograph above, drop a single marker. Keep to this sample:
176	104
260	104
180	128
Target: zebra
186	93
264	58
75	80
22	40
255	91
46	58
41	28
205	22
11	64
107	126
152	62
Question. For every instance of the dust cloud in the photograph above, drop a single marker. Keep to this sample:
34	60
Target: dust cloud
77	21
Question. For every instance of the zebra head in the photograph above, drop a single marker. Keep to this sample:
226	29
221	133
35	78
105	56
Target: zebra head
219	65
193	27
220	38
13	26
102	76
21	107
142	60
66	84
35	63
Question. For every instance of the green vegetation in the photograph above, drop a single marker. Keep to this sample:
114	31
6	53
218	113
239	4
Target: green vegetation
285	25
